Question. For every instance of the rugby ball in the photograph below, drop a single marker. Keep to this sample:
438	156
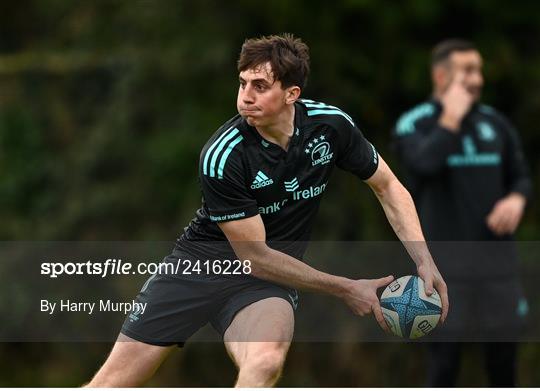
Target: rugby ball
408	311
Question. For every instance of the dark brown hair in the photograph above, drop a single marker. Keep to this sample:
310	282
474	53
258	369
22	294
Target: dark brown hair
288	56
442	51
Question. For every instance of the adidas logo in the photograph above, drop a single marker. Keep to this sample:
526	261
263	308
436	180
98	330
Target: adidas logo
261	180
291	185
294	299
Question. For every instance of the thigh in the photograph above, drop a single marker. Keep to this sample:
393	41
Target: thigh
266	325
235	295
130	363
175	307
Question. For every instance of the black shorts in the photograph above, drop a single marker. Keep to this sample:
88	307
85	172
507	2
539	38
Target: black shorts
179	305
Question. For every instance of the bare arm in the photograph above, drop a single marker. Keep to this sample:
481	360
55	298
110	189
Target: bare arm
401	213
248	239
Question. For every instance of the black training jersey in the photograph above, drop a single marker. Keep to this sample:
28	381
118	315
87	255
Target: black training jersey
242	175
456	178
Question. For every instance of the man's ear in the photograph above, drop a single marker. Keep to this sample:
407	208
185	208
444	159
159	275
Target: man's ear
292	94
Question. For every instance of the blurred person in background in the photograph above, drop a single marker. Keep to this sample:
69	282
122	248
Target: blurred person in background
465	169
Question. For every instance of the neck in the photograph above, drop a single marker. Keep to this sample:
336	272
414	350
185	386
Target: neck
281	130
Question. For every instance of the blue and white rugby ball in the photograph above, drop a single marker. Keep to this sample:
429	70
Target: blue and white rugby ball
408	311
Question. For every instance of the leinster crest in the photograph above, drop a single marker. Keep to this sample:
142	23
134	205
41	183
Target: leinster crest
320	151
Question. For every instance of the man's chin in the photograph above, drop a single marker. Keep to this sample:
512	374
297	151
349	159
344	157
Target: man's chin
251	121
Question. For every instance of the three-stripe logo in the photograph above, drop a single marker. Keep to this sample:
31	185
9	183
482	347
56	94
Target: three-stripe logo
294	299
319	108
220	149
261	180
291	185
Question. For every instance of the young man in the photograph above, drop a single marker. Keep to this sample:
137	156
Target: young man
262	176
469	180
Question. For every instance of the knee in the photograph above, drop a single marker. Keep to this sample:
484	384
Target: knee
110	380
266	364
98	383
110	376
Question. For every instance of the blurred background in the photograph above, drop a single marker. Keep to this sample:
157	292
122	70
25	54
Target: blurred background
105	106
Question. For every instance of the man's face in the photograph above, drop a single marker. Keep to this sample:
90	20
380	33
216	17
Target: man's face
469	64
260	98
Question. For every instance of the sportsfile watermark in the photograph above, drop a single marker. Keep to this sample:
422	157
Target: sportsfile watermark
118	267
87	291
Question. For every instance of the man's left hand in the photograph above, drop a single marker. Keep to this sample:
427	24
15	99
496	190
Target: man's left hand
428	272
505	216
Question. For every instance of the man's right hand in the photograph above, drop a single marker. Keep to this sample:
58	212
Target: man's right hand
456	102
361	297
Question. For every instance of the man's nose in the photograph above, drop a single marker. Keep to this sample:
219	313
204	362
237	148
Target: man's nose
247	94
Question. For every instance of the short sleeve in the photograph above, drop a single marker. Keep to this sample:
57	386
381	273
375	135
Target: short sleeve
355	153
223	186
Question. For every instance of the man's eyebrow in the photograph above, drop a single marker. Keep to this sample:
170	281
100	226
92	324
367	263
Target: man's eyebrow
258	80
263	81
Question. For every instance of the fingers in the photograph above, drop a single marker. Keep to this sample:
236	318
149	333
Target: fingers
443	293
445	307
382	282
505	224
499	224
496	220
490	219
425	272
458	78
377	311
513	224
428	284
503	219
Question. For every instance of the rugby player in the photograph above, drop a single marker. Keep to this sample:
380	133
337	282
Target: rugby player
262	176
